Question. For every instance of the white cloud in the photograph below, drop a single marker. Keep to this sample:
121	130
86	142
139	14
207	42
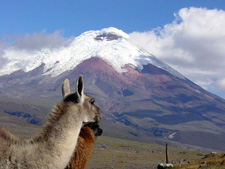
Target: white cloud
220	85
24	45
193	44
3	46
35	41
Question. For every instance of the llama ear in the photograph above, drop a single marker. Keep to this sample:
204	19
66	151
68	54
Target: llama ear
65	88
80	87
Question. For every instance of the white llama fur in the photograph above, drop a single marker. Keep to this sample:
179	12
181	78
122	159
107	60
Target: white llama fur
54	146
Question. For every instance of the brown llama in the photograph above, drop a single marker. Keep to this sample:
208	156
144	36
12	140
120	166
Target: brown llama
84	147
54	146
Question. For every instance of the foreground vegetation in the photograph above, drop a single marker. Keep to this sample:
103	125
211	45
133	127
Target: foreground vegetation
209	161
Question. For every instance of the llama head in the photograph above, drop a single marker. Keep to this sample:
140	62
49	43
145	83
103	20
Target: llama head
90	112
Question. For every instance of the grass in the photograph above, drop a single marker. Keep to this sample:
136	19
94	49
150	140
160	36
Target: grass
119	153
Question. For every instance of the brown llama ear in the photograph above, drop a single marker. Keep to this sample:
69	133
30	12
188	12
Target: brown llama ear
65	88
80	87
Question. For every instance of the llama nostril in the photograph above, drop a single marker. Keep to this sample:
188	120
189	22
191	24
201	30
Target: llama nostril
98	118
100	115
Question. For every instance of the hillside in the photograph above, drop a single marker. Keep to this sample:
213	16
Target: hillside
119	153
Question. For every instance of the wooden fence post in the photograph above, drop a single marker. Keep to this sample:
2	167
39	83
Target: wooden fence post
167	160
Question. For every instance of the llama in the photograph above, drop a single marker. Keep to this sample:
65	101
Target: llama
84	147
55	144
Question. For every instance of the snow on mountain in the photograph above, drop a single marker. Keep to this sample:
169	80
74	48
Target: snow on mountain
109	44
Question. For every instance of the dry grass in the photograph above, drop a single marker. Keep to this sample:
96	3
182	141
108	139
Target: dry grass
118	153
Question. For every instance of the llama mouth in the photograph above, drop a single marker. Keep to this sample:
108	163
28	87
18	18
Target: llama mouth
95	127
98	132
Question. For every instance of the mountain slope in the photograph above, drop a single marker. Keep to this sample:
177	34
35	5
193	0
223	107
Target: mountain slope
140	96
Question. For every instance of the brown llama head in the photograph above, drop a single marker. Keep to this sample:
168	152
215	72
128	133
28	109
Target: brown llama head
90	112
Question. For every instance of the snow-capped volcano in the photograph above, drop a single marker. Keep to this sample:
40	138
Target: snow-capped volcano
109	44
132	87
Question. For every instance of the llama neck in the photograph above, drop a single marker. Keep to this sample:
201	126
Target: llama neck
59	136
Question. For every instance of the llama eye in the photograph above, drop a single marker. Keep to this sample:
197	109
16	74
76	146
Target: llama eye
92	101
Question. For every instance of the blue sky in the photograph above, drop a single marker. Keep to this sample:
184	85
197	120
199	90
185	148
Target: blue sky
76	17
186	34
